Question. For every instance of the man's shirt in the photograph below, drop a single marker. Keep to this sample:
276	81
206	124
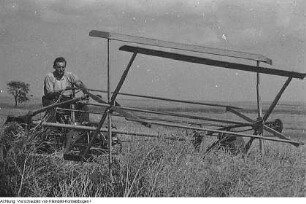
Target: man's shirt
53	84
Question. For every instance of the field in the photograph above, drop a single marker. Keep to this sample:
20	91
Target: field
162	168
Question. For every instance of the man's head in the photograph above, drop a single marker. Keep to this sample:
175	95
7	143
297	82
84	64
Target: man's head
59	65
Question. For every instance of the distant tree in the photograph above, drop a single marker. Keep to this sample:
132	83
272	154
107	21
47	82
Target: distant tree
19	90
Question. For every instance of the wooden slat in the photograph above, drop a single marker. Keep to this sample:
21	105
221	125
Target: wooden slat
180	46
211	62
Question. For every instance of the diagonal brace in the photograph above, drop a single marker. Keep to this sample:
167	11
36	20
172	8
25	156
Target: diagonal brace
113	98
275	101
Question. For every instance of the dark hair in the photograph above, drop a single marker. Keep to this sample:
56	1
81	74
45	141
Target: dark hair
59	59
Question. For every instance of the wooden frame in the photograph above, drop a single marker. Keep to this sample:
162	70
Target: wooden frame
156	49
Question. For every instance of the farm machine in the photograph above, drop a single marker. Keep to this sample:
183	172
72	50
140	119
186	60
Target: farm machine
84	139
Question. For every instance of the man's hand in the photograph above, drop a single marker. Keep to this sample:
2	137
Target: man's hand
81	86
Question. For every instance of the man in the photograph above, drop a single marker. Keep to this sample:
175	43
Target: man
55	85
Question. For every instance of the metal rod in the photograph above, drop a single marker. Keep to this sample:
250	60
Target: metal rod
208	131
259	110
108	113
81	111
275	133
275	101
72	106
88	128
124	75
179	121
32	113
241	115
170	100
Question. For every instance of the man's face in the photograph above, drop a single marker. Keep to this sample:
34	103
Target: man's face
60	68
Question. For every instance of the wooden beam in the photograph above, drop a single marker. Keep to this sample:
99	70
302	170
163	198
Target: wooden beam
212	62
179	46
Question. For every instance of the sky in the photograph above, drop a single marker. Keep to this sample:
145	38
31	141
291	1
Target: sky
34	32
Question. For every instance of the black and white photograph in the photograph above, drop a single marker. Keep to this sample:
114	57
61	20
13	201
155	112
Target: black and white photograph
199	99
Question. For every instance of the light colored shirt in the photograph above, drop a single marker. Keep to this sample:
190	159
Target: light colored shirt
53	84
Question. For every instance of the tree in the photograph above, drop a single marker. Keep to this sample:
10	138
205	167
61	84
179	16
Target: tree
19	90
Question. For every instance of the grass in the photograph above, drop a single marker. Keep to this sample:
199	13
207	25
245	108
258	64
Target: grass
154	168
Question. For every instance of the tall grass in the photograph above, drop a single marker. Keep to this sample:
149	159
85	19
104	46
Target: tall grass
154	168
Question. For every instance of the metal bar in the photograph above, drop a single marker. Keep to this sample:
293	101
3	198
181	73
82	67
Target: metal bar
212	62
124	75
171	100
259	131
179	46
275	101
108	113
105	130
81	111
72	106
241	115
113	98
296	143
32	113
275	133
115	108
179	121
89	128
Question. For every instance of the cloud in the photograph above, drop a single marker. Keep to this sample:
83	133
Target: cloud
206	21
59	8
